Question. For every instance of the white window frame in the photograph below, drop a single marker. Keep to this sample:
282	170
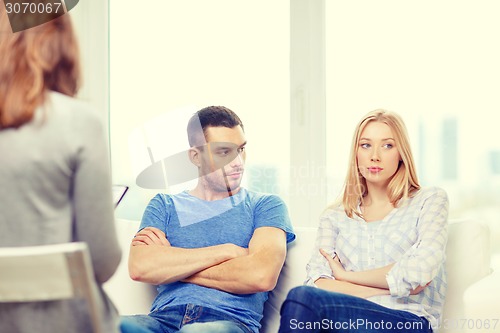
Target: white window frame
308	188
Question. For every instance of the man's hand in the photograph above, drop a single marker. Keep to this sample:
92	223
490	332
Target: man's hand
237	251
150	236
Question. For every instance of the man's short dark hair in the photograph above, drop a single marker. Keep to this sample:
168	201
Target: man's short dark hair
211	116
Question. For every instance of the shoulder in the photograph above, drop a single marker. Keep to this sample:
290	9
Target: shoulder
431	192
334	212
161	200
77	116
270	210
158	211
71	107
263	199
427	197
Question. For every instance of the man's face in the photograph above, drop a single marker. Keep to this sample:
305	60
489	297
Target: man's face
223	157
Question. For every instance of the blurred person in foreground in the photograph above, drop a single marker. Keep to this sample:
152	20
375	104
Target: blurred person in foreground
54	169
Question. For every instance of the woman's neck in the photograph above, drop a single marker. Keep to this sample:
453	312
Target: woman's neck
376	204
377	195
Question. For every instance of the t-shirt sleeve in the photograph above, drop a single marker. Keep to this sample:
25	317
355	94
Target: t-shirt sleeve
156	213
271	211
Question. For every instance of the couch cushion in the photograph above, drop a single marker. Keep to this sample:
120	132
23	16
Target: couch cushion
468	255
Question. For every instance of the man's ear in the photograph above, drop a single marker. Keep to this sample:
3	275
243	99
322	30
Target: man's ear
194	156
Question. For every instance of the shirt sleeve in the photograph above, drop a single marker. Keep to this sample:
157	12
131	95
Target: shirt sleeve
156	213
318	266
271	211
421	263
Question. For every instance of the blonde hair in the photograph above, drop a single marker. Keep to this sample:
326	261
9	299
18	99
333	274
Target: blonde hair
32	62
403	184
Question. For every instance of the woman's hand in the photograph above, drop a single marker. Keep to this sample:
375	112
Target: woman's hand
419	289
338	271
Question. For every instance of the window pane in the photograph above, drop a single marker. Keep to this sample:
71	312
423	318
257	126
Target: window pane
180	56
93	43
437	65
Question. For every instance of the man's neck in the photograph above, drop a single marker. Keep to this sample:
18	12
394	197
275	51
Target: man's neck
207	194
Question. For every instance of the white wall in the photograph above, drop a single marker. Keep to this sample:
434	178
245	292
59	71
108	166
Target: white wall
171	55
90	19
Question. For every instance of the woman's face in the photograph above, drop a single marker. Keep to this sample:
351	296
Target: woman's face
377	155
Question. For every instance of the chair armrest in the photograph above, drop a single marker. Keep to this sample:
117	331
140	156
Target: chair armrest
482	304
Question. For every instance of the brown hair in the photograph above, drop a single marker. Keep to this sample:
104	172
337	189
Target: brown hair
403	184
32	62
210	116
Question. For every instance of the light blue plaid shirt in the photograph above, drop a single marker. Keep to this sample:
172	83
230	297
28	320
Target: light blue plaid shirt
413	236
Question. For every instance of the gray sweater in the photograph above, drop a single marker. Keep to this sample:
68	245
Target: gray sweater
55	187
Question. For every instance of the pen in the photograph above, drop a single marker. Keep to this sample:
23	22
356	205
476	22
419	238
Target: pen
335	255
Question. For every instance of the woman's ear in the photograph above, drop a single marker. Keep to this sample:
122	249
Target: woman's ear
194	156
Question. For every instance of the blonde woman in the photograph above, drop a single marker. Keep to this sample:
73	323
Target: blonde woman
54	168
378	262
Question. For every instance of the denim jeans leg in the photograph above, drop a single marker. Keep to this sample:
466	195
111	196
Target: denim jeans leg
139	324
168	320
200	319
219	326
311	310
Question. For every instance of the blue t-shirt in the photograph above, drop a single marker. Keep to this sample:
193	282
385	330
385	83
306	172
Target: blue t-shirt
190	222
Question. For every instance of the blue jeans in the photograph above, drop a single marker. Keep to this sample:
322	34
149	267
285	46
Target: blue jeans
187	318
308	309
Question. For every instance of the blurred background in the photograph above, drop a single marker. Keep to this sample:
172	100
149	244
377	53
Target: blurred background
300	74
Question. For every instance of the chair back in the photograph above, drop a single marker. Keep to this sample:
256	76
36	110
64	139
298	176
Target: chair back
49	273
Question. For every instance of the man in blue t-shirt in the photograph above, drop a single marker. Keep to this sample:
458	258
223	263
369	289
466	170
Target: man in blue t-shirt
214	251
